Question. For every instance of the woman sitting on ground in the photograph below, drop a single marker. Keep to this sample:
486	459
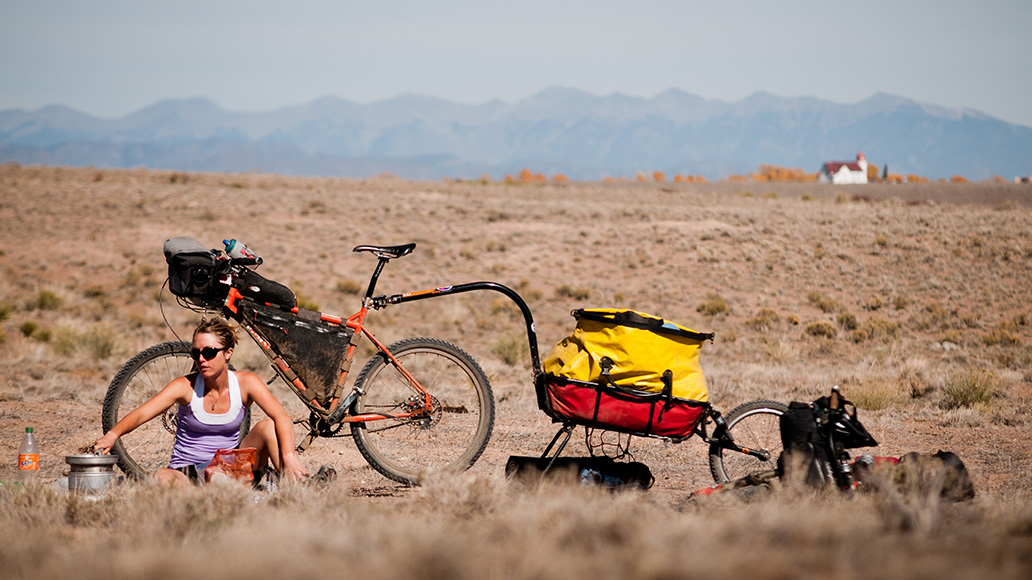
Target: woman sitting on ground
212	403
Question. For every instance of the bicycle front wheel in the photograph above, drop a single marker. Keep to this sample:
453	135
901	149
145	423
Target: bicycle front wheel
754	425
148	447
450	438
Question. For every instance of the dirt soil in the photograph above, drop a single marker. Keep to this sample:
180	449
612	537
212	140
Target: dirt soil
945	267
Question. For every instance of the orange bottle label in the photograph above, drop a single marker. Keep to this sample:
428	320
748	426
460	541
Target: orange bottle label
28	462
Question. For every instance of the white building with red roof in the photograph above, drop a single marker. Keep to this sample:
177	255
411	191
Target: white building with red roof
842	172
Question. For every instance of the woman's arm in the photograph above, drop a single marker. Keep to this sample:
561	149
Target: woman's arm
177	391
254	390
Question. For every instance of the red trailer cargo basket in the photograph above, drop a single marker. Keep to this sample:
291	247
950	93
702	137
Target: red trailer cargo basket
618	409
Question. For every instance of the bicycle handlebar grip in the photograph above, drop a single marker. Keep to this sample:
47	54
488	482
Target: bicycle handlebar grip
245	261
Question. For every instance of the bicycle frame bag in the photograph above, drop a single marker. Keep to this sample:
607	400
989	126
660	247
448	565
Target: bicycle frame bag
314	349
641	347
191	269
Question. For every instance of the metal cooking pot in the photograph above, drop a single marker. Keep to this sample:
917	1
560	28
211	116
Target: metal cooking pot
90	473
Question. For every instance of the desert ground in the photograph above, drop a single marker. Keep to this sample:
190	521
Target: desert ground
913	298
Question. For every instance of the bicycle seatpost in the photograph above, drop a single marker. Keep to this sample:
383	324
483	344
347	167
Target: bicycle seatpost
384	253
376	276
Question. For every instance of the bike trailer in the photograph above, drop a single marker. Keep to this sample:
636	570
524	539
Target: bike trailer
626	371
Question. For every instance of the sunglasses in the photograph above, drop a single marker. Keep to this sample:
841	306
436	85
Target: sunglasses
207	352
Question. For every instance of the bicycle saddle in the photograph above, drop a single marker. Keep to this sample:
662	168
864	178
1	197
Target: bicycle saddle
387	251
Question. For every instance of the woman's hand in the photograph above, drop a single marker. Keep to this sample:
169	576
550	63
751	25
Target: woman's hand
105	443
178	391
293	468
253	389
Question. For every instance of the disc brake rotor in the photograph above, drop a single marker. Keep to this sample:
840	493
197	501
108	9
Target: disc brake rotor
415	404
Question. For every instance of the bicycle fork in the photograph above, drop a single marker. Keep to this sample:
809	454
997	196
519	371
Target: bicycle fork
722	438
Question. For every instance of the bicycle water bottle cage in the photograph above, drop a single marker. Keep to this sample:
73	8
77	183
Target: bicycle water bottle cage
387	252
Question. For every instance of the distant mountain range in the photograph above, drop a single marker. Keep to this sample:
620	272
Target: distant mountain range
559	130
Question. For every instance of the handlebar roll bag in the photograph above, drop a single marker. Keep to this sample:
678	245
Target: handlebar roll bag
191	268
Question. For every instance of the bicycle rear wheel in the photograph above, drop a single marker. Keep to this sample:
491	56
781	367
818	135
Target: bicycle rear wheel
148	447
451	438
755	425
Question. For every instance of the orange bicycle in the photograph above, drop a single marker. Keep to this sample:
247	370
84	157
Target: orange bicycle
420	406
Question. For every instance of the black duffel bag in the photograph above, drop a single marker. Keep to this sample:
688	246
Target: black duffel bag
588	471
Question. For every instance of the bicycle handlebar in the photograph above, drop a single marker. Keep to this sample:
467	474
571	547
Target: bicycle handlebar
257	261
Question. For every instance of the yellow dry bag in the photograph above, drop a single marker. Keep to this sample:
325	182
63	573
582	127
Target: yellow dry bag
641	347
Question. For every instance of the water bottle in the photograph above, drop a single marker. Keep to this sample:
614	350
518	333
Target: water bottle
236	249
28	456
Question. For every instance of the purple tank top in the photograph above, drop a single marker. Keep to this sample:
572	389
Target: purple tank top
200	434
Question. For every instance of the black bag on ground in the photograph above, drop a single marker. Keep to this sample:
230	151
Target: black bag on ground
314	349
595	471
191	268
956	481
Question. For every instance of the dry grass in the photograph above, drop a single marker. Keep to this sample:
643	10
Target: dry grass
971	387
806	287
474	527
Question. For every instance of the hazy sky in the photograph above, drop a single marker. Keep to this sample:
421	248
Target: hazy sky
110	58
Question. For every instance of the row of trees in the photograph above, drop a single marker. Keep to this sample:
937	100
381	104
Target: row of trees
874	177
658	177
764	174
528	176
